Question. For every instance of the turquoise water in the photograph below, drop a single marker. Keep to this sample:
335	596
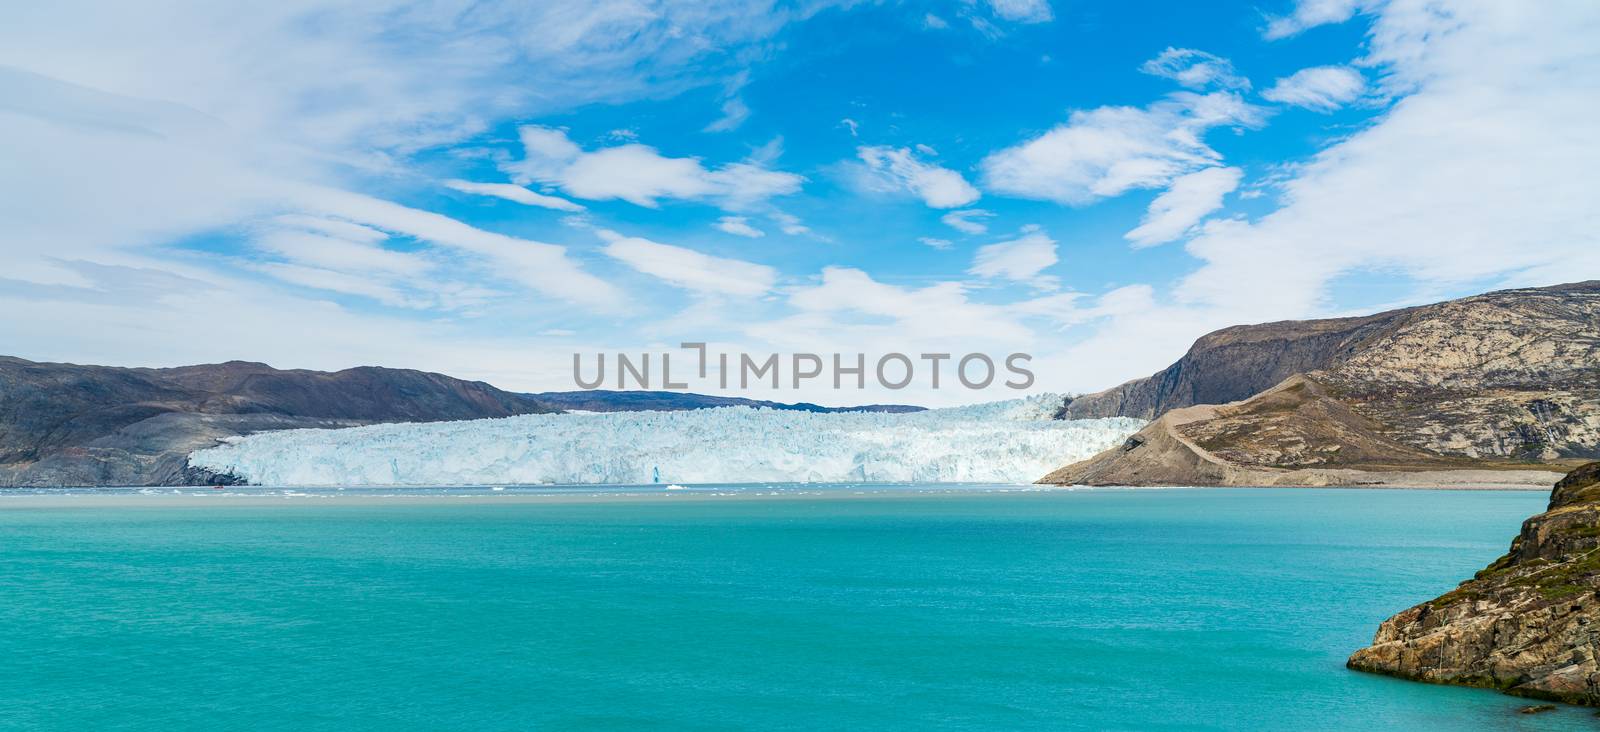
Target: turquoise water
1176	609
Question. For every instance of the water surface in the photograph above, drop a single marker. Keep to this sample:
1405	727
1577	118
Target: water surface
840	608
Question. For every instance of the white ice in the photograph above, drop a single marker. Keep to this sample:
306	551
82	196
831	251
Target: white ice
1001	442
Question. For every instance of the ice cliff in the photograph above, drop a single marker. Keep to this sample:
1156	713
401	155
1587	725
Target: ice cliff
1006	442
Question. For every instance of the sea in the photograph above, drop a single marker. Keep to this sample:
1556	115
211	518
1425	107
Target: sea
756	607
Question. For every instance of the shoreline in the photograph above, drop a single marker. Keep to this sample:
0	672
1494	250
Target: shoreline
1437	479
48	498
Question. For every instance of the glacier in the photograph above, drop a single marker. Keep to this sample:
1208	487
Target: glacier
1013	441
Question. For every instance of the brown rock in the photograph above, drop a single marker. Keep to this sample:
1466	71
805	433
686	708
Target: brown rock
1528	624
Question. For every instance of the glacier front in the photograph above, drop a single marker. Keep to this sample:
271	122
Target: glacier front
1001	442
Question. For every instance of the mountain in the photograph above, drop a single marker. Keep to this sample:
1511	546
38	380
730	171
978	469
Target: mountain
66	424
1507	381
1526	623
1236	363
600	400
366	393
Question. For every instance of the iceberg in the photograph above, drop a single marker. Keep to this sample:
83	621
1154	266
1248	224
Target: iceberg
1013	441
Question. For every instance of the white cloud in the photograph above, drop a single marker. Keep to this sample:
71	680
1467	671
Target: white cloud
789	224
1021	259
355	76
932	314
543	267
1484	170
168	120
934	242
1320	88
734	110
734	113
968	221
331	255
983	26
515	193
173	119
934	22
1022	11
337	253
738	226
1067	309
1109	150
341	282
692	270
891	169
1195	69
332	227
640	174
1475	178
1182	206
1312	13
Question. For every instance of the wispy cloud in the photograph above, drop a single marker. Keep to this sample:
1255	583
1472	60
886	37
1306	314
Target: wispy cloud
1320	88
692	270
1023	11
515	193
1110	150
1428	192
933	313
789	224
734	110
1195	69
1182	206
738	226
543	267
1020	260
968	221
889	169
640	174
1310	14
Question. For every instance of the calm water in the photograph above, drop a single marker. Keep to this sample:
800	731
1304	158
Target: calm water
1179	609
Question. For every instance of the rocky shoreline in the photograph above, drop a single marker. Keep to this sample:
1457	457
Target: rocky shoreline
1528	624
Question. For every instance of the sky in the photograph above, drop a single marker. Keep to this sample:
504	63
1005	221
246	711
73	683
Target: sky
487	188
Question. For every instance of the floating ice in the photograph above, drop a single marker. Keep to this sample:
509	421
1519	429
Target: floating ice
1001	442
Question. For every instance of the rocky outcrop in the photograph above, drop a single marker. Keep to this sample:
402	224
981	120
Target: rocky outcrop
1504	381
1528	624
66	424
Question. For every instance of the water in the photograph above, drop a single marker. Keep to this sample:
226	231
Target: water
843	608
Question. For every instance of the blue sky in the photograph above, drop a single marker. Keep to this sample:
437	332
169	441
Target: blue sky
485	188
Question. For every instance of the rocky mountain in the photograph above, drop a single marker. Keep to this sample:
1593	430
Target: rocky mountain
1236	363
601	400
1507	381
1528	624
66	424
